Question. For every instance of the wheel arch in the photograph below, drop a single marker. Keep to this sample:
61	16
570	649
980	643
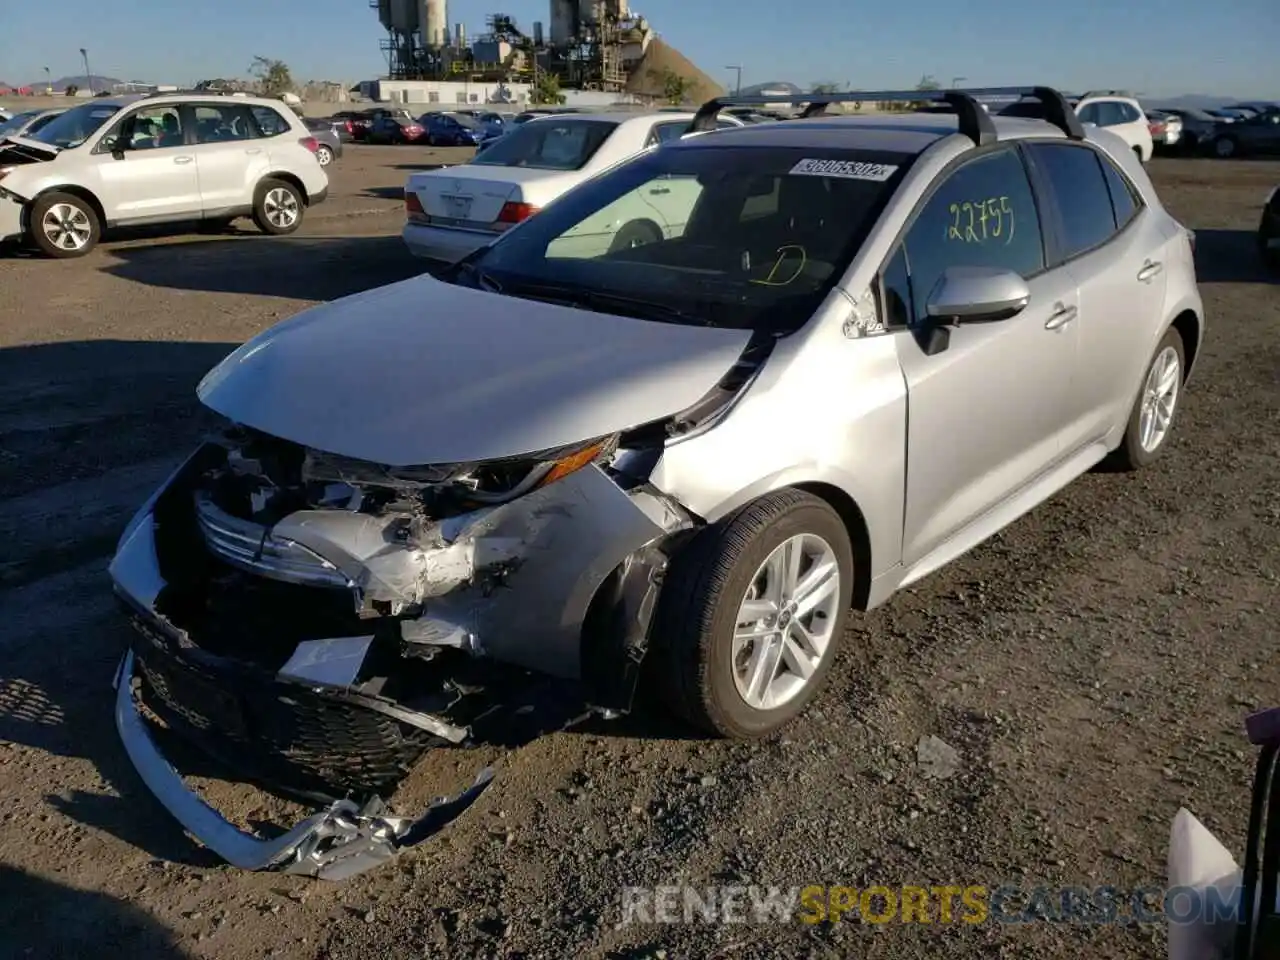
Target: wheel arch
292	179
859	536
83	193
1189	327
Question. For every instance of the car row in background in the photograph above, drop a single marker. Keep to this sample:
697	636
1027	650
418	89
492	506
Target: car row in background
453	211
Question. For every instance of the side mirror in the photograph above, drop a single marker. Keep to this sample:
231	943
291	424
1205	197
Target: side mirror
977	295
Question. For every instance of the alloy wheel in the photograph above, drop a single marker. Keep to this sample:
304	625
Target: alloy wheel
67	226
786	621
1159	399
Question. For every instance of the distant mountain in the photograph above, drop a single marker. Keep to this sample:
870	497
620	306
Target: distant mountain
80	83
1201	101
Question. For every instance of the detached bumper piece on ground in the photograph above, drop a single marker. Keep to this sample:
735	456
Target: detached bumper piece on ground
281	629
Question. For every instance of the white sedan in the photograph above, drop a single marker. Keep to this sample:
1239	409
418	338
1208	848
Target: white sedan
453	211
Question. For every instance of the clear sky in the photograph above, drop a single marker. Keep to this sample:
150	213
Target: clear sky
1157	47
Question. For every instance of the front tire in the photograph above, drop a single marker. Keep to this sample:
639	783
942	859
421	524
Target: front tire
1155	411
635	233
752	614
1225	147
278	207
63	225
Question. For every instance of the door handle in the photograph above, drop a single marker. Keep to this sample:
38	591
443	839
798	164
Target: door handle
1061	316
1149	271
181	159
659	191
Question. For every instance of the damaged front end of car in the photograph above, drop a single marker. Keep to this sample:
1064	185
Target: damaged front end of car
319	623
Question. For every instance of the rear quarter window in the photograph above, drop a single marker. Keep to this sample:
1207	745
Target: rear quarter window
270	121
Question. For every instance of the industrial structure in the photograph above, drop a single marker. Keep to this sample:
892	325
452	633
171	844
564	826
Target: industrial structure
591	44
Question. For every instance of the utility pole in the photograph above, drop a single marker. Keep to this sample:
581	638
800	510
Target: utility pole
737	69
956	81
88	73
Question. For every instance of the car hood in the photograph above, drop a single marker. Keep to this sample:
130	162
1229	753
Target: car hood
18	150
423	372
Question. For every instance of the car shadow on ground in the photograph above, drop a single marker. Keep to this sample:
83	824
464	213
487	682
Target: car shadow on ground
1231	256
300	268
42	918
421	167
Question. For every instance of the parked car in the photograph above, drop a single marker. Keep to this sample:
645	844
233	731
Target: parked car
450	130
451	211
328	139
1259	134
1251	109
26	123
436	503
5	115
343	125
1239	909
1227	116
1118	112
1269	229
357	122
1166	129
157	159
1198	126
394	129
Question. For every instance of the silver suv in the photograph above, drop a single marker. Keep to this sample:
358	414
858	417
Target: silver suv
157	159
863	346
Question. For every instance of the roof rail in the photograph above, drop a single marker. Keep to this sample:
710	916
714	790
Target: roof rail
198	93
975	122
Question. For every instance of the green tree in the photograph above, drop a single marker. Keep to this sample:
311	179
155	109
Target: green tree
546	89
675	88
927	82
273	76
71	90
824	86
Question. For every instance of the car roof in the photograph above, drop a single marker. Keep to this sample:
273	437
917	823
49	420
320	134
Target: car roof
908	133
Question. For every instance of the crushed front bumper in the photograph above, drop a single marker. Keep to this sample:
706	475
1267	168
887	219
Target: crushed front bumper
585	547
334	844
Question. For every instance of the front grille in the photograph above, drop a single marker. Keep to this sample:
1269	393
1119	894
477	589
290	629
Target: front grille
282	735
250	546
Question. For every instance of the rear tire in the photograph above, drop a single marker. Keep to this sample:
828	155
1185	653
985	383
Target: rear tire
1224	148
1159	397
63	225
324	155
703	664
278	207
635	233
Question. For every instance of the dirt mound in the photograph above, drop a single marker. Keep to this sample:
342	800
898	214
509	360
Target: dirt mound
660	60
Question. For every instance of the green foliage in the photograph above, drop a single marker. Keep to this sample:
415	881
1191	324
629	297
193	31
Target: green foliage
675	88
273	76
546	90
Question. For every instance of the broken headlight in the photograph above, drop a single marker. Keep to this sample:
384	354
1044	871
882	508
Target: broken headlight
472	484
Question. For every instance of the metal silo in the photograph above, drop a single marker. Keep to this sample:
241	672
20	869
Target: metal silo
586	13
404	16
433	21
384	14
564	16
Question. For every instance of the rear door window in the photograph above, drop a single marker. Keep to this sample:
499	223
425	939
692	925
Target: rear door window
222	123
1080	196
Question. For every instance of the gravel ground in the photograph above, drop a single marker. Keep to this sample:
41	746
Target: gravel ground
1091	664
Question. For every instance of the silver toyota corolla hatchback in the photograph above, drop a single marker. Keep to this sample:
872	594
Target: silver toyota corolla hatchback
845	351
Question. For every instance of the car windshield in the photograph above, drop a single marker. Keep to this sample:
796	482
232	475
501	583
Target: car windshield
549	144
77	125
17	122
750	237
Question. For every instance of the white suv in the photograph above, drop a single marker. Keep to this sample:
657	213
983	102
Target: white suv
157	159
1121	115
